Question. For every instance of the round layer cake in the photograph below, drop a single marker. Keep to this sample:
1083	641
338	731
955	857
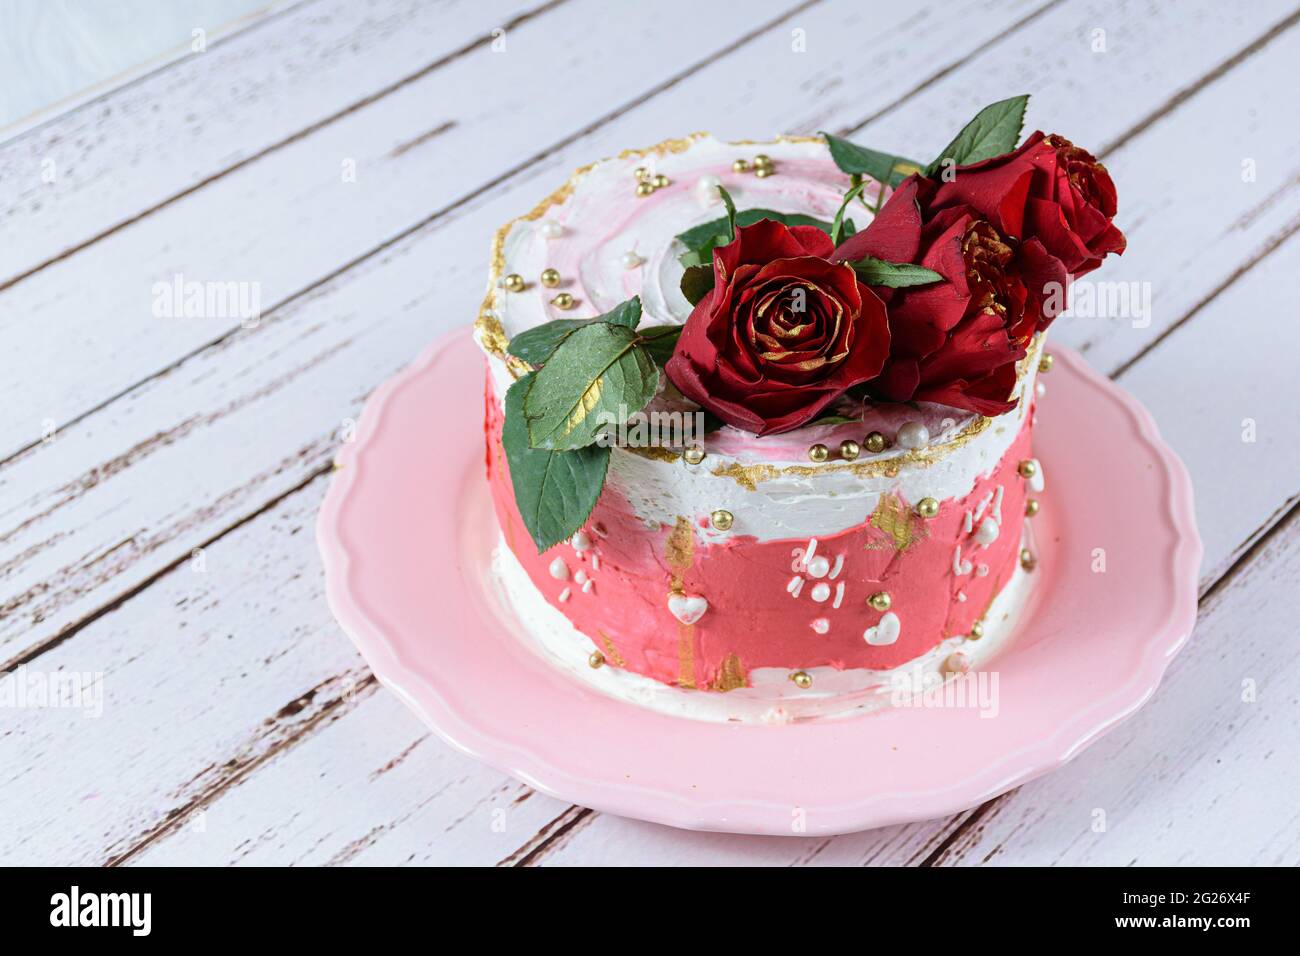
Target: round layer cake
742	577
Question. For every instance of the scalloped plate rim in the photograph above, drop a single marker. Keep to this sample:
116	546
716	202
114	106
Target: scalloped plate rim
663	805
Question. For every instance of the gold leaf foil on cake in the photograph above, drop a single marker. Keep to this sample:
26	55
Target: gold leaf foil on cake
679	549
686	656
654	452
750	477
732	676
611	652
896	520
679	552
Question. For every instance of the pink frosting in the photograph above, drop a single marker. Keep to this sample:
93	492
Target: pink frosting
752	615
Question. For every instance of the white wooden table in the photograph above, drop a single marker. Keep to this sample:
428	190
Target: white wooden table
159	477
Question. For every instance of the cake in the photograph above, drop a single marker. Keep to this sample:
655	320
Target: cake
759	416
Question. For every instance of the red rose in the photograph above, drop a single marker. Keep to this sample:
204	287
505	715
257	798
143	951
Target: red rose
1049	190
956	342
783	332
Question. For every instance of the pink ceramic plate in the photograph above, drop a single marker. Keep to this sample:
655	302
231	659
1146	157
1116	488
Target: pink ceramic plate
407	530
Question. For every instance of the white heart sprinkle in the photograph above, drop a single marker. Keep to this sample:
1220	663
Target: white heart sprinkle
686	609
886	632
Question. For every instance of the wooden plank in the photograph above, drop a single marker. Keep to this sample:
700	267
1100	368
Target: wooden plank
308	368
281	224
87	50
187	125
59	571
194	676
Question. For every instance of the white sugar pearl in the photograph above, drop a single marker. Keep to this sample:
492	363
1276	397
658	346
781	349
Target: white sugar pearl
821	592
580	578
550	229
706	189
821	625
1040	388
559	570
580	541
819	567
987	532
630	260
913	435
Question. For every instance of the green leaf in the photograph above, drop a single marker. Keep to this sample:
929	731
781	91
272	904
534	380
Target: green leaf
994	130
598	372
838	225
535	345
697	281
554	490
859	160
701	240
893	275
659	341
731	212
834	420
626	314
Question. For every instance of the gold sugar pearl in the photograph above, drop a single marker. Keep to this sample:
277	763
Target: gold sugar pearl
721	520
849	449
514	282
876	443
563	301
976	631
819	453
693	455
661	181
550	278
1027	559
641	173
644	189
1027	468
802	679
1031	507
762	172
740	166
1046	362
927	507
881	601
596	660
761	160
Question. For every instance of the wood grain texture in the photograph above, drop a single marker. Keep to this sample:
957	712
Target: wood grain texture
55	54
62	573
169	133
296	216
241	727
